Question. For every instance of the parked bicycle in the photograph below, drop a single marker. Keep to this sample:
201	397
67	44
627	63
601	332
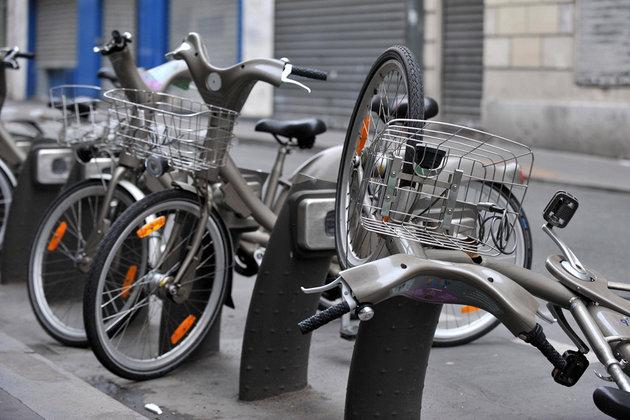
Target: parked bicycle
163	271
423	195
392	91
14	140
80	216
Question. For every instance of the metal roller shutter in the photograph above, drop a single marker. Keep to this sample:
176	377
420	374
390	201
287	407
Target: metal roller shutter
3	23
343	37
120	15
216	21
56	34
462	65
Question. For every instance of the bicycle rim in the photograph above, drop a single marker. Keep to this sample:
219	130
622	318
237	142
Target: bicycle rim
58	264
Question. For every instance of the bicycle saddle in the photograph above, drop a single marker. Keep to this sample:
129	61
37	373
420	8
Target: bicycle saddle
81	105
107	74
398	109
303	130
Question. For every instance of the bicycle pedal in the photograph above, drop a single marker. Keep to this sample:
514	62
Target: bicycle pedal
572	372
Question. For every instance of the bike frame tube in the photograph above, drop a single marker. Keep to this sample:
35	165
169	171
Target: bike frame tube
274	176
599	344
261	213
8	149
198	235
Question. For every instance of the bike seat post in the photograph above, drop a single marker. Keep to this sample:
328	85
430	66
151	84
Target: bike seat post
276	173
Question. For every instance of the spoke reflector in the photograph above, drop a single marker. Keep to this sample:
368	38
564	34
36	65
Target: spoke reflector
182	329
365	128
130	277
57	236
468	309
151	227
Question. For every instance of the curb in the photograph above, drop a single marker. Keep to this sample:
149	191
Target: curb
38	387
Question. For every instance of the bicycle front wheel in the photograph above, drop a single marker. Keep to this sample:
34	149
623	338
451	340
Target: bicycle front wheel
392	89
59	257
139	324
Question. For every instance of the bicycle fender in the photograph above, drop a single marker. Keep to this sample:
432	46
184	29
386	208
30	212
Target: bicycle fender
129	187
444	282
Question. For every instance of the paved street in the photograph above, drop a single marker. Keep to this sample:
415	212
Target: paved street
495	377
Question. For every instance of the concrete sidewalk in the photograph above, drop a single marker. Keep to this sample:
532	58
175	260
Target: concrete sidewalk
550	166
33	387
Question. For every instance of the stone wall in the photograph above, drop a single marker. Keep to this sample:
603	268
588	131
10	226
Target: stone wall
530	90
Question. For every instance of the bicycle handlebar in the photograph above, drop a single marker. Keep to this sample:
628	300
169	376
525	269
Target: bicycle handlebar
25	54
324	317
309	73
118	43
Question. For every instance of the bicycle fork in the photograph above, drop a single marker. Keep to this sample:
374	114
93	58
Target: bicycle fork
178	289
103	223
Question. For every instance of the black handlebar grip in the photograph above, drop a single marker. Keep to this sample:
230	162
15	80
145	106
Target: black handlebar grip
324	317
25	54
309	73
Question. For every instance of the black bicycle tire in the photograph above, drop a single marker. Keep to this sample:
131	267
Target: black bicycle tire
43	321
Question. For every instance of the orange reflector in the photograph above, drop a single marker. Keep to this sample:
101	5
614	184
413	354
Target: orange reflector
130	277
365	128
385	219
468	309
57	236
151	227
182	329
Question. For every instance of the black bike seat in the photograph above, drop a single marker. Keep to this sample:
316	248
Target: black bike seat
398	108
303	130
612	401
107	74
80	105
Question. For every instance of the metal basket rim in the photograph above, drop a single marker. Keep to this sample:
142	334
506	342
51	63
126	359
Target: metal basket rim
95	87
211	108
397	121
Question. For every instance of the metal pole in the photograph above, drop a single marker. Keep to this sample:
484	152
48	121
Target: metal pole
414	28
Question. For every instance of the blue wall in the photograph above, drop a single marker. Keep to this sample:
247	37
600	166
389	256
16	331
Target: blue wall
152	32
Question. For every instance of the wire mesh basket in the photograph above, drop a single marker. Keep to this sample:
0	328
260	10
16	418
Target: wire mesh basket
84	118
443	185
191	136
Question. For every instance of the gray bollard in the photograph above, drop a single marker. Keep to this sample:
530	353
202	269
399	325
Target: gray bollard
274	358
390	359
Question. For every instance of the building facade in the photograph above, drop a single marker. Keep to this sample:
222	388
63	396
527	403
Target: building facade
551	73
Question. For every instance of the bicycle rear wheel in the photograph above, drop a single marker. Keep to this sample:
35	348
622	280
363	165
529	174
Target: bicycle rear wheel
139	327
59	262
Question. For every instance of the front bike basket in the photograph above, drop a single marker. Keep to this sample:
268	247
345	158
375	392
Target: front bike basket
192	136
83	117
443	185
